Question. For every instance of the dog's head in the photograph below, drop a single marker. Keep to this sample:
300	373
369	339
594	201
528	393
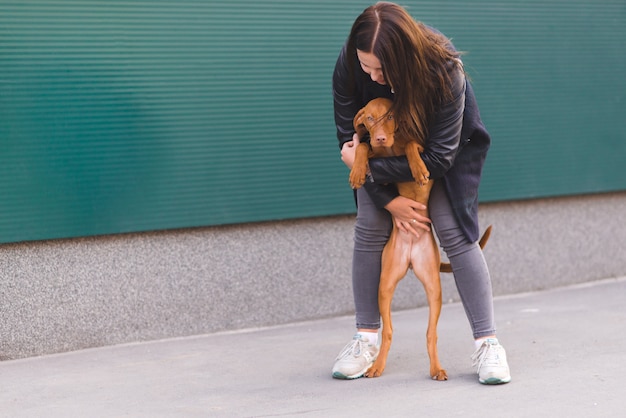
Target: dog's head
377	119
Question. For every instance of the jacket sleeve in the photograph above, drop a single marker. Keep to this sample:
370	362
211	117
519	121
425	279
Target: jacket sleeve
441	146
381	194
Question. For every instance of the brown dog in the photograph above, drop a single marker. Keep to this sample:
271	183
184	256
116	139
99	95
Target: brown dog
403	250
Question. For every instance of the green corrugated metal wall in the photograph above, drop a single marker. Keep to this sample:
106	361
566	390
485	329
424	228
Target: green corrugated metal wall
120	116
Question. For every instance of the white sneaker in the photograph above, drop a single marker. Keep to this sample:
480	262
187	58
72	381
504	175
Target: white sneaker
355	358
490	362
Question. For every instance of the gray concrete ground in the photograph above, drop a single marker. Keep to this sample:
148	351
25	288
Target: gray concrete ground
566	349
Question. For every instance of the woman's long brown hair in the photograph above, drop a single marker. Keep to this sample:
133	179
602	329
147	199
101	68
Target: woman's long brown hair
415	62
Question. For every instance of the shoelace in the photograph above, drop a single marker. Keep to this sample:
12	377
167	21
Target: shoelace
487	354
352	347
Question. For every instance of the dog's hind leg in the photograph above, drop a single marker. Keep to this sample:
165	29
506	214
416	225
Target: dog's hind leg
395	264
425	260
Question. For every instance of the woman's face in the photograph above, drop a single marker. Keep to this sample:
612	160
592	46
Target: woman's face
371	65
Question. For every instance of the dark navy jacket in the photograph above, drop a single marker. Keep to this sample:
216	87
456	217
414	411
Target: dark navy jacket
455	149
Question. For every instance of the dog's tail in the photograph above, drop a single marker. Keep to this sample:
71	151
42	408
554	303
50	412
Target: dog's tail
447	268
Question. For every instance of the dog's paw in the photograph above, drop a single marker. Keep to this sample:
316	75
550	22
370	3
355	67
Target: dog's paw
357	178
423	177
440	375
420	174
376	370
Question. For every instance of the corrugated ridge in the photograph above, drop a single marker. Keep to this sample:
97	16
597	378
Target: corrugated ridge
119	116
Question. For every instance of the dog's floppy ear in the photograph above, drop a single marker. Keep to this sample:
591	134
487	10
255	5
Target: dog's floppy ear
359	123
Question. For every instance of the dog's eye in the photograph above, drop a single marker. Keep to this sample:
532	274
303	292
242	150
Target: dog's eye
370	118
390	117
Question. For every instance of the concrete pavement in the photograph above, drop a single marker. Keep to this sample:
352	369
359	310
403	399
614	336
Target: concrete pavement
566	349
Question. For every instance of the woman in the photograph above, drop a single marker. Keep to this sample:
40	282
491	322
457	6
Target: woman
388	54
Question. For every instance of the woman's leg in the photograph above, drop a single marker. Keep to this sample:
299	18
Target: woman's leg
468	263
371	233
473	281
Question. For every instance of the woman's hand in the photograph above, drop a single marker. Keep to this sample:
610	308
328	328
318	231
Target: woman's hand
348	151
408	218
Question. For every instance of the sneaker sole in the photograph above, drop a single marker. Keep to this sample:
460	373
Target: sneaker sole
494	381
339	375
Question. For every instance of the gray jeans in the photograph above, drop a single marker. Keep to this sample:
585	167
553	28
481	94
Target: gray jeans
471	273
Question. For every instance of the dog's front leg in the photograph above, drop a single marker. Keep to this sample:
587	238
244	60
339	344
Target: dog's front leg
359	168
418	168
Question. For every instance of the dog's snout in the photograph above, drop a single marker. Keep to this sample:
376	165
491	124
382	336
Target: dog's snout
381	139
